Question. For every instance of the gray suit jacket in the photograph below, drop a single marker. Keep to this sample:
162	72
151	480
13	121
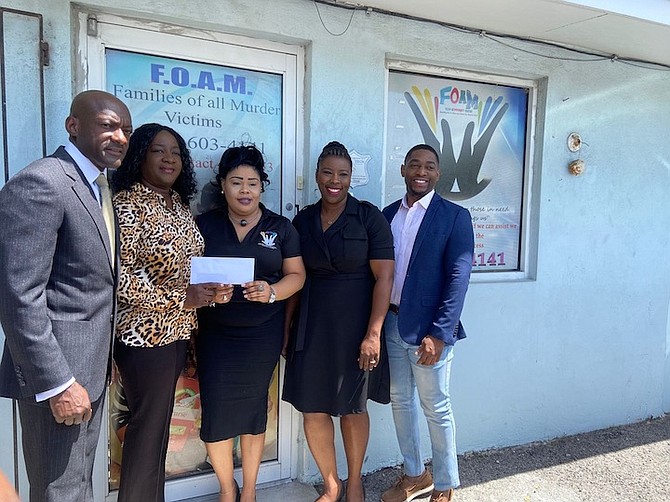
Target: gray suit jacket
56	281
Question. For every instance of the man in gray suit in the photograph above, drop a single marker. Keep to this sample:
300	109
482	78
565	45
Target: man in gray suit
57	278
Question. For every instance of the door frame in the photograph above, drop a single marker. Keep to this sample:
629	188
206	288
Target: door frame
96	31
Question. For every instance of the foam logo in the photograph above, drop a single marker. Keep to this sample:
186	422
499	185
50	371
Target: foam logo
205	80
460	97
460	179
463	98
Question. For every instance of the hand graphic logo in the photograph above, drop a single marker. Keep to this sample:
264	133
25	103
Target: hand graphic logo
465	170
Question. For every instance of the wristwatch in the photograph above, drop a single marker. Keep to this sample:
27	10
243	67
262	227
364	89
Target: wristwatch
273	295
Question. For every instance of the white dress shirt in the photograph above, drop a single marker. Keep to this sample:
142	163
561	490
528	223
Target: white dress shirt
87	168
405	225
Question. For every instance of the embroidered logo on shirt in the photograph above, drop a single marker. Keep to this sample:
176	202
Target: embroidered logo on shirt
268	240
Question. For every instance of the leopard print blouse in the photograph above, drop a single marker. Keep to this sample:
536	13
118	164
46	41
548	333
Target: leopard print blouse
157	244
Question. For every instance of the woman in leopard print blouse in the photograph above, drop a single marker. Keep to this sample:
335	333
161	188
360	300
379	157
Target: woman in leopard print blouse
156	305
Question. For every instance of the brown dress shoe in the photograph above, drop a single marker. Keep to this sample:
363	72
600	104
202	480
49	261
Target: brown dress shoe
442	496
407	488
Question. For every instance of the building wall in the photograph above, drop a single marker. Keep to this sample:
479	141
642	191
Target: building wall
584	343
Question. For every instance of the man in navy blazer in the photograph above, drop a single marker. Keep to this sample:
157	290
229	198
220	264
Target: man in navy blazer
434	246
57	276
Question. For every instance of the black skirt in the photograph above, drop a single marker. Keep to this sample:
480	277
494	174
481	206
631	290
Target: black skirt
235	365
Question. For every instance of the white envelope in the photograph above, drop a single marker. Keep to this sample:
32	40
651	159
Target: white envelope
224	270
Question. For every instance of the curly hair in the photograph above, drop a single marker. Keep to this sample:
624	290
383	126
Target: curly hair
245	155
333	149
130	170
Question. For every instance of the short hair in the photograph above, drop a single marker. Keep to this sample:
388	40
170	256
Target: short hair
333	149
130	170
245	155
421	146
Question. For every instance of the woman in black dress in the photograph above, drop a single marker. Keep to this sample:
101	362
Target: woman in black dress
334	358
239	342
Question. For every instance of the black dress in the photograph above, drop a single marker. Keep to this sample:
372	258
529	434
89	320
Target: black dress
238	343
322	373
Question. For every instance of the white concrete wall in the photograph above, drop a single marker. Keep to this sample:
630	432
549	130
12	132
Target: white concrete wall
586	343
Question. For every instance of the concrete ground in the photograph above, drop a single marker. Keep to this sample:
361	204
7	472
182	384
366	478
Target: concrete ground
630	463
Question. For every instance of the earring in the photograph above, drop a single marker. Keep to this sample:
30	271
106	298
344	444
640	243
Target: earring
222	193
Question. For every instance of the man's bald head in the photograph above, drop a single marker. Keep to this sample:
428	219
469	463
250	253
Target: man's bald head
93	101
99	125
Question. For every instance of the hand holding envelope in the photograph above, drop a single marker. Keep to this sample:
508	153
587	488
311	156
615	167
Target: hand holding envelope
223	270
214	277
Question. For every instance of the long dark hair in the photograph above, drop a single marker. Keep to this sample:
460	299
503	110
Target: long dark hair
130	171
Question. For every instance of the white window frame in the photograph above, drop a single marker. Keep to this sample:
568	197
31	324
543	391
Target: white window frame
528	252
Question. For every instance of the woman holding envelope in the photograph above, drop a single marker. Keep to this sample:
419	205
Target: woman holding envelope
156	304
239	343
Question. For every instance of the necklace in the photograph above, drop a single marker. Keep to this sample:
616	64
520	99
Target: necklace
330	222
244	222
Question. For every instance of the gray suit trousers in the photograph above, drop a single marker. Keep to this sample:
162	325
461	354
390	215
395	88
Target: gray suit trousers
66	476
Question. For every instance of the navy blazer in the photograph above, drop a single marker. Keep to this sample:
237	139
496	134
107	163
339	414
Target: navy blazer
438	273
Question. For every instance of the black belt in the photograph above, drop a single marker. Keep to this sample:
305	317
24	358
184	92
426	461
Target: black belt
393	308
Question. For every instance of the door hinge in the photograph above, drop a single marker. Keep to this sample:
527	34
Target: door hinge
44	52
92	26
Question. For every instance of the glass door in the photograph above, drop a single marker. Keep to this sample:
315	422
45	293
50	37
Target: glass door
216	92
212	106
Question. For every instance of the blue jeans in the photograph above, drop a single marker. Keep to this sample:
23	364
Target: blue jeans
432	383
